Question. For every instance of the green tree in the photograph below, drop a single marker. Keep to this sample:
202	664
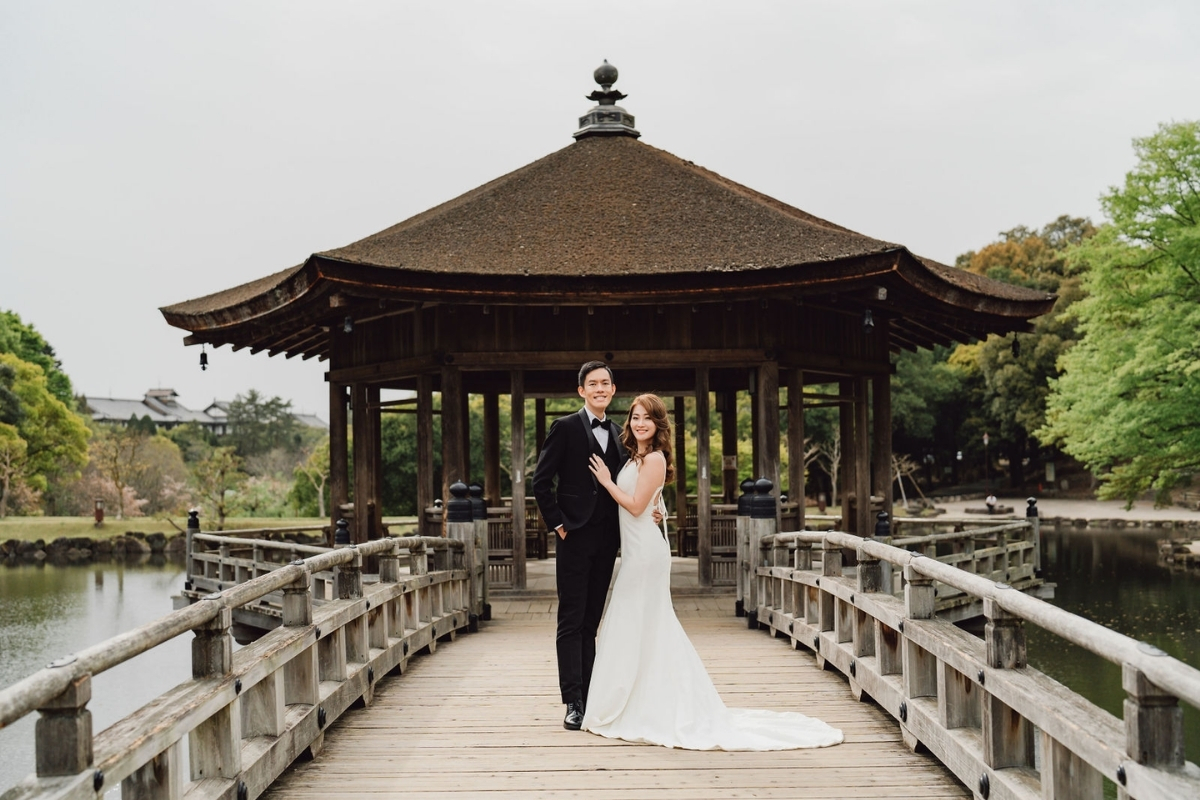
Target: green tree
117	456
313	473
1126	404
258	425
24	342
219	475
12	463
56	438
1007	378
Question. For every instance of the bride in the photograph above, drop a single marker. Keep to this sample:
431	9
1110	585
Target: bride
649	684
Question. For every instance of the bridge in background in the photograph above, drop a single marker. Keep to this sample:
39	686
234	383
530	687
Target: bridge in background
338	672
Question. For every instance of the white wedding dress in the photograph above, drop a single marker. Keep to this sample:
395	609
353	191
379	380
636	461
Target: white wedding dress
649	684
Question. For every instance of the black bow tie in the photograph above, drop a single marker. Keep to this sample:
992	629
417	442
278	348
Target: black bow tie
597	422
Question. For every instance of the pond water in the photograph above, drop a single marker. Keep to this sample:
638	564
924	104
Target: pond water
46	611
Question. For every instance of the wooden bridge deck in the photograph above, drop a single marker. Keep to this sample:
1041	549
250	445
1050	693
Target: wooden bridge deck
482	718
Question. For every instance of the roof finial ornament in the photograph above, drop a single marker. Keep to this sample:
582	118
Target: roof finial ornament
607	118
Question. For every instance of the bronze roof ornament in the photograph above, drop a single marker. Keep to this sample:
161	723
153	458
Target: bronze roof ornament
607	118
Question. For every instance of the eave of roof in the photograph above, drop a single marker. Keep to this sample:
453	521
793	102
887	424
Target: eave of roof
606	219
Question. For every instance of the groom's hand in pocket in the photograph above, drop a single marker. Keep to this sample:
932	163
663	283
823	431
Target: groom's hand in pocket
561	531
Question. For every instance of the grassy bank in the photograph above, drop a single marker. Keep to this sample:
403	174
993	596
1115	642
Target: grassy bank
31	529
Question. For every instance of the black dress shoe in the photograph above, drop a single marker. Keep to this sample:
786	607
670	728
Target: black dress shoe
573	721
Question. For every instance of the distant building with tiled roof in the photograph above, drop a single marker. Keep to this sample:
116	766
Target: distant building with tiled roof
163	408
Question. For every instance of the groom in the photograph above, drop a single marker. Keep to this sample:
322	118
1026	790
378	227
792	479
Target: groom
584	516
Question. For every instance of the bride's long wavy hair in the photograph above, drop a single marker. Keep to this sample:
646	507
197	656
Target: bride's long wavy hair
657	410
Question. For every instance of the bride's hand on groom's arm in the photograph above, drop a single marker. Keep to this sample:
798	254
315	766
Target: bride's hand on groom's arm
601	471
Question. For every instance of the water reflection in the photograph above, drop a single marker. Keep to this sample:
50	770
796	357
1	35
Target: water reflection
1113	577
47	611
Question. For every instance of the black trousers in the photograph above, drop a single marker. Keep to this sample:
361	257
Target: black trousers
583	568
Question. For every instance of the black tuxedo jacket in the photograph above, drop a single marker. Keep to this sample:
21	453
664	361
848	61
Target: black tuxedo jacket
568	447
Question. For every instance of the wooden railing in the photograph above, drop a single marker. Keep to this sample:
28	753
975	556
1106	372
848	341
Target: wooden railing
1006	730
244	716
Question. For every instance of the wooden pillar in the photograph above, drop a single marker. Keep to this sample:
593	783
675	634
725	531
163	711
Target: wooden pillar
364	481
425	489
881	402
453	468
729	446
768	428
464	402
375	425
339	456
539	424
681	501
518	477
703	480
846	469
491	448
755	424
795	437
863	525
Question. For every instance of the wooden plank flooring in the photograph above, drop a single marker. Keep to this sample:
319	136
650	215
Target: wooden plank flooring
481	718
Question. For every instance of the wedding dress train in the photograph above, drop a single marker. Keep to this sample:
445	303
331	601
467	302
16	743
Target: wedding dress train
649	684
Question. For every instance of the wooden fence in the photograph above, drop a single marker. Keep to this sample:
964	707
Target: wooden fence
1006	730
244	716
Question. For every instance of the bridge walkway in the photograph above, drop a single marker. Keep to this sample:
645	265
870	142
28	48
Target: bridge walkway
482	719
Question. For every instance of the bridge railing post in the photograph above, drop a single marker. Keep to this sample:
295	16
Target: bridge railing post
870	580
460	525
1153	720
193	527
919	665
1035	521
480	516
762	525
1008	739
63	732
300	673
745	554
215	745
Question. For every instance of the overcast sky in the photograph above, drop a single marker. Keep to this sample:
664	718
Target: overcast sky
153	152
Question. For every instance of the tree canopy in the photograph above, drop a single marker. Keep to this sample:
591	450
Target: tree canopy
1126	405
55	438
24	342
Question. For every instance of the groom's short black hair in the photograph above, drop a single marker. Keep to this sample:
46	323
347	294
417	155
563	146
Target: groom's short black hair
592	366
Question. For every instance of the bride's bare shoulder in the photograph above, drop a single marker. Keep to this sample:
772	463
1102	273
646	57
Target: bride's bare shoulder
656	457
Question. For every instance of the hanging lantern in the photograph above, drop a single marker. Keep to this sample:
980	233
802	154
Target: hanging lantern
203	358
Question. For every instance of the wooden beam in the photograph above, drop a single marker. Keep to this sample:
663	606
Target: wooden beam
881	401
795	438
491	448
846	470
363	480
374	425
703	480
517	425
681	500
425	490
768	428
729	447
453	468
385	370
862	459
339	456
464	405
539	424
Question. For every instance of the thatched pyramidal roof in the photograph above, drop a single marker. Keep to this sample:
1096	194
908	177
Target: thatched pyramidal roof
607	219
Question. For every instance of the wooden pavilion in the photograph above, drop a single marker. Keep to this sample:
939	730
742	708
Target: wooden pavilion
687	283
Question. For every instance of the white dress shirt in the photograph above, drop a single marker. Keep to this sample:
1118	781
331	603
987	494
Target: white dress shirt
601	432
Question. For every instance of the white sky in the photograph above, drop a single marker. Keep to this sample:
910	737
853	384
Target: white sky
152	152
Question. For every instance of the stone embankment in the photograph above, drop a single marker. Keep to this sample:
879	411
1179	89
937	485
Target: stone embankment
78	549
